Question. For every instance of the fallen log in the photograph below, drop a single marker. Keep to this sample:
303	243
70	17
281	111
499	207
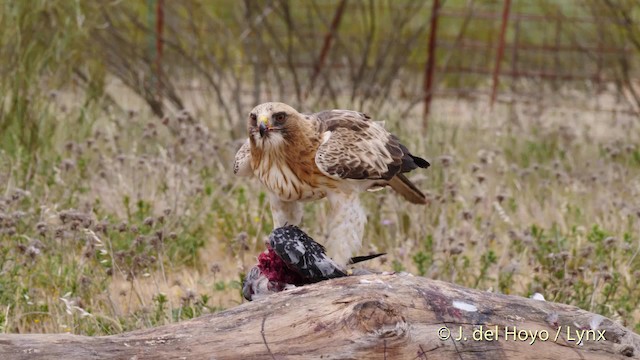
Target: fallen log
359	317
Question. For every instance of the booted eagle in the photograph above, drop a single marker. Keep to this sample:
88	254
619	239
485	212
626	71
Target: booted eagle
334	154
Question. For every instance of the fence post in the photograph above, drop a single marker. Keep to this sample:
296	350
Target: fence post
431	63
500	54
600	53
159	43
556	54
514	57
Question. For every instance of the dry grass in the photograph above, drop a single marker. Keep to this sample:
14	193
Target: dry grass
140	222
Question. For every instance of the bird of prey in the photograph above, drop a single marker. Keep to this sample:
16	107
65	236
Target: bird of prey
292	259
334	154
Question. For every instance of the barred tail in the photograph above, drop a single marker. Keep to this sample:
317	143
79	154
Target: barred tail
407	189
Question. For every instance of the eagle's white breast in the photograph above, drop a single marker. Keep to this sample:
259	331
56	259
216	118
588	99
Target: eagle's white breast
274	172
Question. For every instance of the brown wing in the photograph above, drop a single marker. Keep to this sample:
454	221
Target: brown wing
354	147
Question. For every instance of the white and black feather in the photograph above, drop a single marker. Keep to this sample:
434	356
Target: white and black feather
301	261
303	255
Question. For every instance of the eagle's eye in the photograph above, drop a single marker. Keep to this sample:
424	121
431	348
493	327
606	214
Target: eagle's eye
279	118
254	119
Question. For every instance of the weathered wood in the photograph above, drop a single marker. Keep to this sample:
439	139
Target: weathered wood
358	317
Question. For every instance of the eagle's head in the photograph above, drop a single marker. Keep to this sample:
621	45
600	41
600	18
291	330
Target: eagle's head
272	124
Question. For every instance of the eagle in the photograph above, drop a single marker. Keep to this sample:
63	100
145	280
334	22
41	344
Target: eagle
292	259
332	154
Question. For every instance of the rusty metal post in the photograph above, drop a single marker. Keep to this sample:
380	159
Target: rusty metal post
159	43
500	54
600	54
431	63
556	52
514	56
328	38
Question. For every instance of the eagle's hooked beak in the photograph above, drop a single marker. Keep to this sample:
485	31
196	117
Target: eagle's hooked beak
263	125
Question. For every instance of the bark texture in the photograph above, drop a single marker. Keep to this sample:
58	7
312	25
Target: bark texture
359	317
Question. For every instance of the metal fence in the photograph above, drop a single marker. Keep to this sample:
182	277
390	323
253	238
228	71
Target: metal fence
510	60
489	51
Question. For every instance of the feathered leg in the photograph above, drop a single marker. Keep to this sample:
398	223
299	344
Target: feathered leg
346	226
285	212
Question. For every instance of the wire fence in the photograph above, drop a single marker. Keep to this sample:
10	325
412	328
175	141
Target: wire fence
508	51
558	61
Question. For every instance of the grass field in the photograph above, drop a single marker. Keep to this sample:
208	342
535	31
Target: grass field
131	222
114	219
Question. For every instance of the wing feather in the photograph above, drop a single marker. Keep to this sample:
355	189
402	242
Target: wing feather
242	161
303	255
355	147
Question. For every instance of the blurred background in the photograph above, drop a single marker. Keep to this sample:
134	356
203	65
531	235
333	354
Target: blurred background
119	121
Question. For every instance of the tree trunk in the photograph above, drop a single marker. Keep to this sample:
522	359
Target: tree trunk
359	317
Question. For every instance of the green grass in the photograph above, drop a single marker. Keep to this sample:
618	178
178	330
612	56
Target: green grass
136	230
